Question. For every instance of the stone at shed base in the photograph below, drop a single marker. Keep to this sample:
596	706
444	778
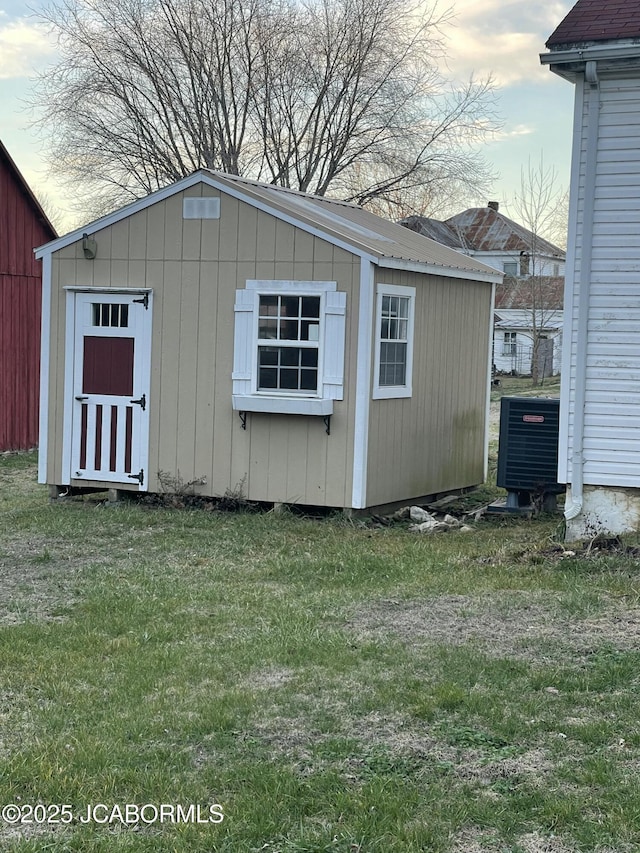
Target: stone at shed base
421	516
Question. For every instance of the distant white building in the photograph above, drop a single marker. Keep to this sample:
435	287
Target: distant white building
533	282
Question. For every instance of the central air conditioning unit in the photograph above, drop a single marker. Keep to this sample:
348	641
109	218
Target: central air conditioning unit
528	453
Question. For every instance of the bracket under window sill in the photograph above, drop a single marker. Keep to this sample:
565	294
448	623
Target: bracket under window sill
314	407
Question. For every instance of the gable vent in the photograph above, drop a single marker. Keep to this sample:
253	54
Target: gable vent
201	208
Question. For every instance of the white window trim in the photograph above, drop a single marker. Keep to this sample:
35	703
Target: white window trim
246	396
390	392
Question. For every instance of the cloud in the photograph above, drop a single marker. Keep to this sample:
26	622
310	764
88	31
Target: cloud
503	39
23	46
518	130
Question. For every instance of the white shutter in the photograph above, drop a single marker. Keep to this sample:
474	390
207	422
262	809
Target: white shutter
243	343
334	331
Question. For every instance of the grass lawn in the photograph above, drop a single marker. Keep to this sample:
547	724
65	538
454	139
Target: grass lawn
332	686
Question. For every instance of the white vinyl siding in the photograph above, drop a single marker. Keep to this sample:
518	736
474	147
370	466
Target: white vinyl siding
612	391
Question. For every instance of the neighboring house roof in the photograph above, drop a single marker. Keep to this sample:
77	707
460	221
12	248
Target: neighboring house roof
33	202
512	318
384	243
517	292
435	230
598	20
482	229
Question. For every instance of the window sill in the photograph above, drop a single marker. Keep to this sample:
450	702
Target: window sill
283	405
391	392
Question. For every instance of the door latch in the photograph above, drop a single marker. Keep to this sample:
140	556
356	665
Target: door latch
142	402
81	399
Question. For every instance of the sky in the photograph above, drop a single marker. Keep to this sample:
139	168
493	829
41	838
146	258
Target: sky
499	37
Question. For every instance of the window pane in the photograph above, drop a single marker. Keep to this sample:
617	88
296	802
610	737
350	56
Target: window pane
309	380
289	379
268	306
385	304
268	356
289	330
267	329
393	363
404	308
311	307
309	330
290	357
309	358
268	377
290	306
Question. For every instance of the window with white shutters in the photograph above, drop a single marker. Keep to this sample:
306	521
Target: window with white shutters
289	347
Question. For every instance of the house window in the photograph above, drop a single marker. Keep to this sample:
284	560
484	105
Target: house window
510	268
556	270
289	347
294	322
510	345
394	341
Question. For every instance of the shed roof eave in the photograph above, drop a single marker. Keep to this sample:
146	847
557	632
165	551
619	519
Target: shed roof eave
490	276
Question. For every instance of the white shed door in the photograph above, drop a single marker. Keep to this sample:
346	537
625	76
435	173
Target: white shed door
111	370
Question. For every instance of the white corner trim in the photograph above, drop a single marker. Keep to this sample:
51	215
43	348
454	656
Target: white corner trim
282	405
363	385
487	413
67	411
45	344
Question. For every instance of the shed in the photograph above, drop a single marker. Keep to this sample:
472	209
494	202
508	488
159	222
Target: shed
254	338
23	225
597	48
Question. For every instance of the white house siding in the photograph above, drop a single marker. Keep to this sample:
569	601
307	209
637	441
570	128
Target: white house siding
544	264
611	439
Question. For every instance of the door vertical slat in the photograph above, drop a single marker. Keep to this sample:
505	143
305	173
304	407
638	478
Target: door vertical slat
113	439
128	440
122	417
99	440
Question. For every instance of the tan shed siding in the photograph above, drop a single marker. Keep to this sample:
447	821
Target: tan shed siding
434	441
194	268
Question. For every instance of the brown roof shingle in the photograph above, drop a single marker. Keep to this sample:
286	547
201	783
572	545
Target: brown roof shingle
598	20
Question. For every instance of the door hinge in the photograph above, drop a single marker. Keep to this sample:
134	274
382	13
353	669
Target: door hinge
144	301
139	477
142	402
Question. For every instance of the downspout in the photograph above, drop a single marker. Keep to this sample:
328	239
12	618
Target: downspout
577	457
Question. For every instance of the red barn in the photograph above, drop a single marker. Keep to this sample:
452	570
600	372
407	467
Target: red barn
23	225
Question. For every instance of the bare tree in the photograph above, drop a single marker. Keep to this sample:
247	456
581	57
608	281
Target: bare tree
339	96
541	205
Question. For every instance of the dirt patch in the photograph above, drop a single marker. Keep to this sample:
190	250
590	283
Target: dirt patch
39	578
517	625
483	841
